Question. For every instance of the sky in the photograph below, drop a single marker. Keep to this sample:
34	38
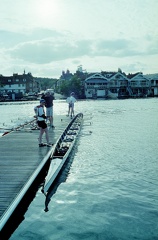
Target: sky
46	37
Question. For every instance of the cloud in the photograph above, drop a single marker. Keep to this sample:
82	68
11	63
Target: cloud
12	38
46	51
117	47
59	48
39	50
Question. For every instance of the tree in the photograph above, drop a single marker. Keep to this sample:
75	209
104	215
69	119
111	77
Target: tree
64	88
46	83
74	85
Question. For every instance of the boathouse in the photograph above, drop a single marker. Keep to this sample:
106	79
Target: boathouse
96	86
119	85
140	86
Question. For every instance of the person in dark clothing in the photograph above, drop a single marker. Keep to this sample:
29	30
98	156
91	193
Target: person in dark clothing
49	97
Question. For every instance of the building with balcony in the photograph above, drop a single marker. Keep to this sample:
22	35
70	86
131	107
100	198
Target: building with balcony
96	86
154	83
106	85
120	85
139	85
117	84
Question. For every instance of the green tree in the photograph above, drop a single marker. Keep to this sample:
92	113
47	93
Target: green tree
74	85
64	88
46	83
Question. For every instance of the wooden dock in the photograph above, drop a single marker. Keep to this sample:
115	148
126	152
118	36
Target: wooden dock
21	160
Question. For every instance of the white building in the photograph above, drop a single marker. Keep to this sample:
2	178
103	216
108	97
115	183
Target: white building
96	86
120	85
139	85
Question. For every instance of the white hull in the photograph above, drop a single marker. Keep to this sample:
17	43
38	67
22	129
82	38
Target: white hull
65	142
55	166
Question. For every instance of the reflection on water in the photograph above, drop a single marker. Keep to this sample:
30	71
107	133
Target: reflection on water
108	189
60	179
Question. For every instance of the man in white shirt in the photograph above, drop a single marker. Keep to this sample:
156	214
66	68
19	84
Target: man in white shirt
71	103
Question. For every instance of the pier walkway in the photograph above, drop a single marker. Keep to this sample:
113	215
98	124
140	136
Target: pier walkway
21	160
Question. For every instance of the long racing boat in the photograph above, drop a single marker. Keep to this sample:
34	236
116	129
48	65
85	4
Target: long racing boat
62	150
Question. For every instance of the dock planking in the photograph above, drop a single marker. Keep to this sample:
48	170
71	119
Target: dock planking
21	160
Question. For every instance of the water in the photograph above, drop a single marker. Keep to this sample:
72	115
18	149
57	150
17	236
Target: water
109	188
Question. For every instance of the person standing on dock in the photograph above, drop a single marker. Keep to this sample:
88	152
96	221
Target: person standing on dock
49	97
71	104
40	115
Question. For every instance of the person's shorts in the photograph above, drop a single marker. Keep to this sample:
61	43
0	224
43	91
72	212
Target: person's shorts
42	124
71	105
49	112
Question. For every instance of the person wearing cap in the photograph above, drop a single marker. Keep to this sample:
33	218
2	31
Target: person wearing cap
71	103
40	115
49	97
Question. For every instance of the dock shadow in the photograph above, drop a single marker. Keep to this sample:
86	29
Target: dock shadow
18	215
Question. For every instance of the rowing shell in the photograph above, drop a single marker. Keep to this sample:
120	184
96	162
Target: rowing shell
62	150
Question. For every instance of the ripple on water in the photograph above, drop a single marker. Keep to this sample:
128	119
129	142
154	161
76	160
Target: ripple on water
109	191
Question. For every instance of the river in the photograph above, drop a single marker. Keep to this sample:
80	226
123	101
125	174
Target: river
109	188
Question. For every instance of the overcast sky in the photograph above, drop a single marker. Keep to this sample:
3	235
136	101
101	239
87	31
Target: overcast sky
45	37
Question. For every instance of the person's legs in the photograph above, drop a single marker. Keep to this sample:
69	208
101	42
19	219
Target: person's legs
46	135
49	113
43	129
51	120
68	110
72	110
40	135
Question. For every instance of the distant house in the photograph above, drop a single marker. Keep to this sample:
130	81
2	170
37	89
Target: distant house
154	83
139	85
119	85
96	86
106	85
18	84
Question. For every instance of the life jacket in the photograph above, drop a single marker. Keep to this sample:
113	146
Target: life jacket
37	109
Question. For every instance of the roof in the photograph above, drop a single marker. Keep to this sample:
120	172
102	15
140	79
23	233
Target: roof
96	77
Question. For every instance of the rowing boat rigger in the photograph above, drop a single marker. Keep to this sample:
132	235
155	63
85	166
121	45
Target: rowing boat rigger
62	150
